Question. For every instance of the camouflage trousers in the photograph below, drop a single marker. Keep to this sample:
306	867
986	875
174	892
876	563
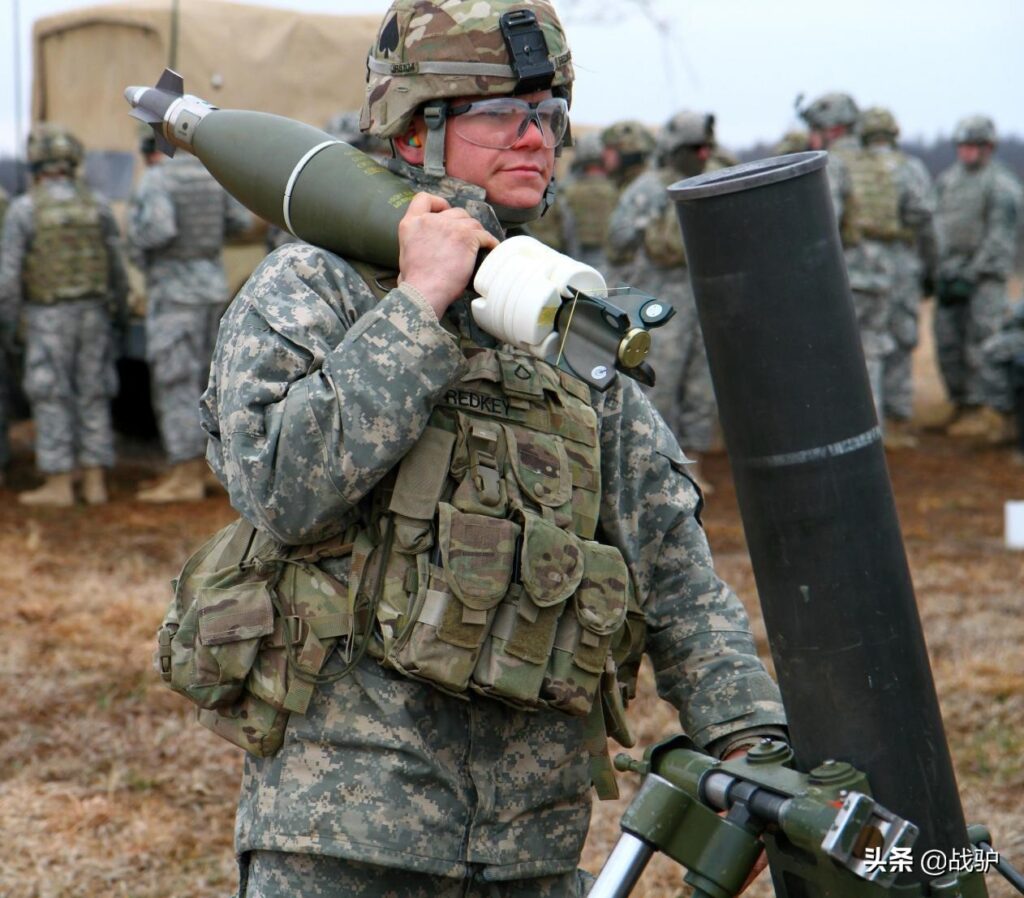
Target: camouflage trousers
897	376
870	269
69	381
961	330
180	338
682	392
995	376
277	874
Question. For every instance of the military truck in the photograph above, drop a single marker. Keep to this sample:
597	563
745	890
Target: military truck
304	66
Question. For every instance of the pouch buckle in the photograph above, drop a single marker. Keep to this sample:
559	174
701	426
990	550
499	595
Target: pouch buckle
483	455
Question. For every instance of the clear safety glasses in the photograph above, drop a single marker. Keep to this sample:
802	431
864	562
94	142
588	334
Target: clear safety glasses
499	123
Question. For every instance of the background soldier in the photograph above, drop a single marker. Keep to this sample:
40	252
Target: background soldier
590	197
177	222
795	141
1001	376
867	198
627	147
908	236
61	258
329	407
976	218
644	233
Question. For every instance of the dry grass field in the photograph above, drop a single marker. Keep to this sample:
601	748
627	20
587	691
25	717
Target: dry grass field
109	790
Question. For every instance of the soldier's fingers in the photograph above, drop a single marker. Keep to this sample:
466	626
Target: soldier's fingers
425	203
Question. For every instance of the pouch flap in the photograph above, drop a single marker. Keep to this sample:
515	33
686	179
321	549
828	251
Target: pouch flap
478	554
541	465
602	595
422	474
551	561
232	613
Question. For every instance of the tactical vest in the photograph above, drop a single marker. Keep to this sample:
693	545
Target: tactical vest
663	237
549	229
592	200
877	193
198	210
68	258
481	564
963	208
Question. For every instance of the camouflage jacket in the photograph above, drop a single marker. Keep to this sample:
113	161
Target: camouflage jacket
177	221
318	390
18	233
637	215
977	218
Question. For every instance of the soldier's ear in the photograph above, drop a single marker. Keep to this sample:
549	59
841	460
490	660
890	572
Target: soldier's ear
410	146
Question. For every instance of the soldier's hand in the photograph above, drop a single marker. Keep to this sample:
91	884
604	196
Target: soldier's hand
438	248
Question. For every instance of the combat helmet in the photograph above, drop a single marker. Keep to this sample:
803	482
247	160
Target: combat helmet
686	129
430	51
877	121
629	138
586	150
975	129
831	110
52	147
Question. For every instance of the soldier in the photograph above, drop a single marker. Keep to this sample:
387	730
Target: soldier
342	403
795	141
977	217
1001	376
341	126
907	232
177	222
865	195
62	267
590	197
627	147
644	234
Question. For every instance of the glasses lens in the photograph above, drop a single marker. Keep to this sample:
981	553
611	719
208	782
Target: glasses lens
500	123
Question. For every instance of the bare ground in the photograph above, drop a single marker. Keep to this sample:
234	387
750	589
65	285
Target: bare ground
108	788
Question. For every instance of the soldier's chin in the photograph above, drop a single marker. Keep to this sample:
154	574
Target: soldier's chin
517	196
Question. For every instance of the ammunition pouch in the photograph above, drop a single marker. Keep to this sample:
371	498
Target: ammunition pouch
954	291
248	633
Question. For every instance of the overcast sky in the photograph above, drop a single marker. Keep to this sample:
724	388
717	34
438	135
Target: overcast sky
930	61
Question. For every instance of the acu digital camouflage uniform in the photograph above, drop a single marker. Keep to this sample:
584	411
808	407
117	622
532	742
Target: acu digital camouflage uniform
901	192
62	269
177	221
977	218
644	233
1001	377
320	388
864	197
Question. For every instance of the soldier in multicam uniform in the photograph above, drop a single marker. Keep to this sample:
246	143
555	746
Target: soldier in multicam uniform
905	229
977	218
795	141
865	195
342	402
177	221
628	146
644	234
590	197
62	267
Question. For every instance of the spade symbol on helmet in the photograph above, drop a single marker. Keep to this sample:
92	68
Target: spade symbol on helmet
388	42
